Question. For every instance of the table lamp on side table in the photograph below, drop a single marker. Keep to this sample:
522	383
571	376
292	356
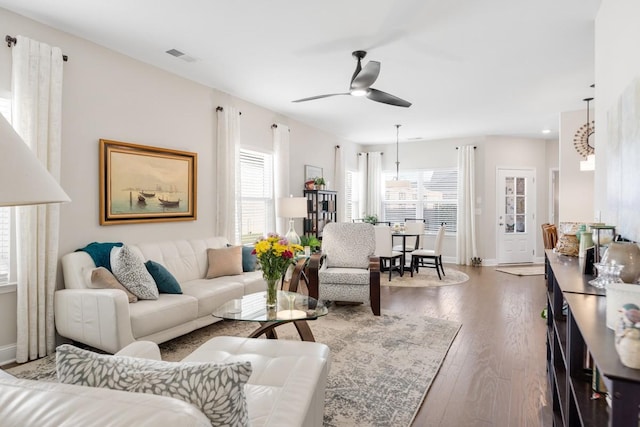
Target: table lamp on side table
292	207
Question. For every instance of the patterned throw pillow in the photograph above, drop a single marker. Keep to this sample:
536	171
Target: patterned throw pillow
216	389
131	272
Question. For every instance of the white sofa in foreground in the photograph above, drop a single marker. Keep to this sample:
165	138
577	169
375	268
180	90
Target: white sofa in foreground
286	389
104	319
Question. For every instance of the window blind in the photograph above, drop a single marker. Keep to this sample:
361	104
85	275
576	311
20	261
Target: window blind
428	194
256	194
5	215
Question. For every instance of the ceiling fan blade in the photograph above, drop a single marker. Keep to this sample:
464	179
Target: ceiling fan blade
367	76
311	98
386	98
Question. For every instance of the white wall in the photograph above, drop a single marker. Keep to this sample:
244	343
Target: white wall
576	186
492	152
617	65
108	95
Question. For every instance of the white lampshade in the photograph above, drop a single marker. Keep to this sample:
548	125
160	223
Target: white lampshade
589	164
292	207
23	178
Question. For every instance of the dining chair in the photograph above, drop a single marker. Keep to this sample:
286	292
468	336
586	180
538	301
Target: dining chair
373	223
385	252
431	258
549	236
415	219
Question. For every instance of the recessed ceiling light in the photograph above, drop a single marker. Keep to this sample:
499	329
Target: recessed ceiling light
545	131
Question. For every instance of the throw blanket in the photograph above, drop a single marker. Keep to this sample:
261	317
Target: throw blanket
100	253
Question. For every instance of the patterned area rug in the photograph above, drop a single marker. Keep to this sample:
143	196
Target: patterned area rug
526	270
426	278
381	369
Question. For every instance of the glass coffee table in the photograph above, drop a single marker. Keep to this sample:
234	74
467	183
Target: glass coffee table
292	308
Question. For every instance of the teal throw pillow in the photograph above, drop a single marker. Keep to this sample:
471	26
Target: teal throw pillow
167	284
249	260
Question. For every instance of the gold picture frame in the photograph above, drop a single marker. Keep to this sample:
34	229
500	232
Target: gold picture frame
141	183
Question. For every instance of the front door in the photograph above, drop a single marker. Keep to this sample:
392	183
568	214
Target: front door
516	206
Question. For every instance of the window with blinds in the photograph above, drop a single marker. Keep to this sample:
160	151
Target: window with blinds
5	216
428	194
351	195
256	194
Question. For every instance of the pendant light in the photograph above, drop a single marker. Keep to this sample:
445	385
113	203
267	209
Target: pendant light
396	183
582	144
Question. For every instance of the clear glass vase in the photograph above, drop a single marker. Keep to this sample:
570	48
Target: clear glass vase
607	273
272	293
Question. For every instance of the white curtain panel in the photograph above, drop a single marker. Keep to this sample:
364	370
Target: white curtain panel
227	177
362	185
466	234
374	187
36	88
281	166
338	181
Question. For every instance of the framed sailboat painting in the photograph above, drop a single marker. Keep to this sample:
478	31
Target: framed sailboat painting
141	183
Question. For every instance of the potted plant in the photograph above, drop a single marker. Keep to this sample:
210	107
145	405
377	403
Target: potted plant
319	183
371	219
311	241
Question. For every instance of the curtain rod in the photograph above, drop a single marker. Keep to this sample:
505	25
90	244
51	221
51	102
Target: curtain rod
219	108
12	40
360	154
474	147
275	126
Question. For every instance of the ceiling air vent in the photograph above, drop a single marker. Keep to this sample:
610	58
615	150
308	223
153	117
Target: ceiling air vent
181	55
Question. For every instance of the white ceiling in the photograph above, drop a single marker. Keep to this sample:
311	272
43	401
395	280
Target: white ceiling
470	68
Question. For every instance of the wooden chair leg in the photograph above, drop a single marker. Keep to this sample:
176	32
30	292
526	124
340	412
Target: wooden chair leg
374	293
441	266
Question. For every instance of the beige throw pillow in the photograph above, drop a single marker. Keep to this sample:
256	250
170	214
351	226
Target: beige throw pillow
101	278
224	261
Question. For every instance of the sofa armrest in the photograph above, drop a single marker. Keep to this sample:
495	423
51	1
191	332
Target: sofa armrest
96	317
142	350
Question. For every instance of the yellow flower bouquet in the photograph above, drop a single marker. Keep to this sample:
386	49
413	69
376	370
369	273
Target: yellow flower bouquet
275	254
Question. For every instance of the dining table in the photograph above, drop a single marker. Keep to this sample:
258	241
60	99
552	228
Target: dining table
402	235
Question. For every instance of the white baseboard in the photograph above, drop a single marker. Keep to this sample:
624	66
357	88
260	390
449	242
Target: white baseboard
7	354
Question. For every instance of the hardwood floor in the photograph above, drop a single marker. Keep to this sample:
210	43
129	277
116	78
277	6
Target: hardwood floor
495	371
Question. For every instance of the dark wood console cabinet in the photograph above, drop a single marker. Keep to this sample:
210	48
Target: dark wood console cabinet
577	337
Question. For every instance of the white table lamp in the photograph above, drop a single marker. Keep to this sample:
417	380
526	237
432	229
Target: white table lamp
23	178
292	207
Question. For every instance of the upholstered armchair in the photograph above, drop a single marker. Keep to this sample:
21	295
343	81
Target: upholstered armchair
347	269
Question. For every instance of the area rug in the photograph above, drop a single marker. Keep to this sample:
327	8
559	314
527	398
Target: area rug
526	270
381	368
426	278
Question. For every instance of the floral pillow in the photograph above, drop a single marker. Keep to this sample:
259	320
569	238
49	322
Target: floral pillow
216	389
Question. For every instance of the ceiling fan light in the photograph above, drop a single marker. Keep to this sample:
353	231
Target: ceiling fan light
359	92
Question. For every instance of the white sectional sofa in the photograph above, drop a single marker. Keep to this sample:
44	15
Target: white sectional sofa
104	319
286	389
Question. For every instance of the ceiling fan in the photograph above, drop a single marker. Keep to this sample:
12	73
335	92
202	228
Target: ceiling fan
361	82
